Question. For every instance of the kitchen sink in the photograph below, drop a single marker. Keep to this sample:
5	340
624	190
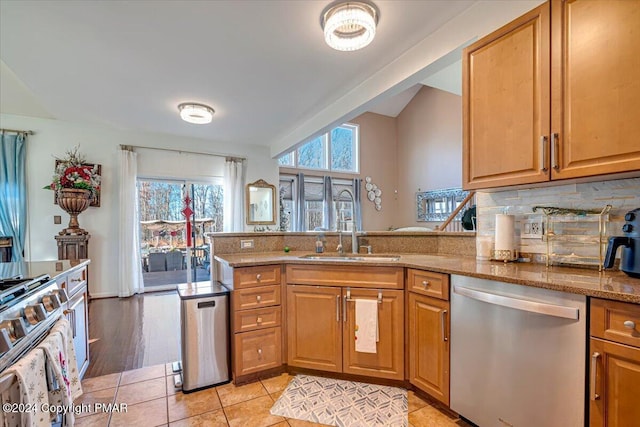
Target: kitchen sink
370	258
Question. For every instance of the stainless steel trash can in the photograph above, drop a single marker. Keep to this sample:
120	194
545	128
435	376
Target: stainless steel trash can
204	318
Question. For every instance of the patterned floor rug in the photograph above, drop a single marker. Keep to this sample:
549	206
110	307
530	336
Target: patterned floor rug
342	403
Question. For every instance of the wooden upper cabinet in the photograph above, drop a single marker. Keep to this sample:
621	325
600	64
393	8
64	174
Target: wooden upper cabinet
506	104
553	95
595	87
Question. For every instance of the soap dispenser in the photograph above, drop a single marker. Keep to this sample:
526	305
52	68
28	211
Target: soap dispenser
319	244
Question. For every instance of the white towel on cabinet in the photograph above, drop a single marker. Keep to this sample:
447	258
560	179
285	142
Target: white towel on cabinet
30	389
366	329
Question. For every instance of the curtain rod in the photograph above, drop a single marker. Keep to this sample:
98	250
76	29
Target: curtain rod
28	132
131	147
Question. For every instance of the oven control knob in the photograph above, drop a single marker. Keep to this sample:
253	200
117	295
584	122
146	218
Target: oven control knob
50	302
62	295
630	216
5	341
15	328
35	313
627	228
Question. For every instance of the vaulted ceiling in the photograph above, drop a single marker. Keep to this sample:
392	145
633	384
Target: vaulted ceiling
262	65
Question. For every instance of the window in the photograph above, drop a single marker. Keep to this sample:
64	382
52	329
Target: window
314	207
333	151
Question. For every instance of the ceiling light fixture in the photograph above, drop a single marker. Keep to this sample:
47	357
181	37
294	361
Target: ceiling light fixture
350	25
192	112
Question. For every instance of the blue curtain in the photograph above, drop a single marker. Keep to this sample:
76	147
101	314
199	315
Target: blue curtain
13	191
357	208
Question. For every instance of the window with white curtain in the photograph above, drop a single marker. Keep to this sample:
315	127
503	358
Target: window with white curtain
315	203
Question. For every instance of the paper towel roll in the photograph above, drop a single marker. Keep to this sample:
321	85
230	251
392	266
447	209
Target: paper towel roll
504	232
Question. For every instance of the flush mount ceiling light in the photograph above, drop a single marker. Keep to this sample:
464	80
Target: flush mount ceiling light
199	114
350	25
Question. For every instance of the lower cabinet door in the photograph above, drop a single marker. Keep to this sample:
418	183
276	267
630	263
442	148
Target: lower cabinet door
429	345
614	386
77	315
314	327
388	359
257	350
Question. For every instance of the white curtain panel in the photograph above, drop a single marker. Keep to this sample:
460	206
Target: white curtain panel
233	196
130	270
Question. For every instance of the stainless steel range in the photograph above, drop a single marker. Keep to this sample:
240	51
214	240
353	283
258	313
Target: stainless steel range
28	309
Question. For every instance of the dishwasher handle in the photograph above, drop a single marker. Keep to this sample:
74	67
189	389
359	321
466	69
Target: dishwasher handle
519	303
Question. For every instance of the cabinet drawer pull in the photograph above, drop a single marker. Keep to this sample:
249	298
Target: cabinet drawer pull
258	277
629	324
337	308
594	369
258	298
543	153
259	353
555	151
75	280
425	283
443	313
259	320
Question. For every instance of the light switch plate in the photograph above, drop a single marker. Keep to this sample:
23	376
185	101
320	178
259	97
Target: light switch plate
532	229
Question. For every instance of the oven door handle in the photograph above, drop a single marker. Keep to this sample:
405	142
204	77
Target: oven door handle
519	303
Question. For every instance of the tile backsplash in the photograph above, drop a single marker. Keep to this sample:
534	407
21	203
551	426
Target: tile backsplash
623	195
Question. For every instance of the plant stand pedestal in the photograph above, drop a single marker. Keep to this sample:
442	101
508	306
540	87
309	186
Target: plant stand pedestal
73	246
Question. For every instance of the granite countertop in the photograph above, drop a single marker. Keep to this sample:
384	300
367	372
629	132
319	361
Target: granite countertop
29	269
610	284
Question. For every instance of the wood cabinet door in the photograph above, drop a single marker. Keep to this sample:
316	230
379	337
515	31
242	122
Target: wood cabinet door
388	361
595	87
614	389
429	345
314	326
506	105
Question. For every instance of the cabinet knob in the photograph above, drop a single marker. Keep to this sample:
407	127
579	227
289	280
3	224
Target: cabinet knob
258	277
259	320
629	324
425	283
258	298
260	353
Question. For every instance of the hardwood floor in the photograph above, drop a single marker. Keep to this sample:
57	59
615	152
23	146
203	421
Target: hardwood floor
130	333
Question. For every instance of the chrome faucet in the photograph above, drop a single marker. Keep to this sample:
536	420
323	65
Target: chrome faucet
354	237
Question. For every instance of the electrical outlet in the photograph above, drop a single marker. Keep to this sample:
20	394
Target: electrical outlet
532	229
246	244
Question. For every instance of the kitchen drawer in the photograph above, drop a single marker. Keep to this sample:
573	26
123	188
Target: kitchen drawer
257	350
357	276
259	318
73	281
428	283
615	321
263	296
260	275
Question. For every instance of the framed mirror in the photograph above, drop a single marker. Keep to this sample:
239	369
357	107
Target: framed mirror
437	205
261	203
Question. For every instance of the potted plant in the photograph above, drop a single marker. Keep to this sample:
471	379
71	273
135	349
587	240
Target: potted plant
76	184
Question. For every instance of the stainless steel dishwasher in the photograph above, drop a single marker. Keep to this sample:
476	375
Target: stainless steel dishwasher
204	318
518	354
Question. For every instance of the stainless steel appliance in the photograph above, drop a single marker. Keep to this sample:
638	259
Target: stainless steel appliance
630	242
204	315
28	310
517	354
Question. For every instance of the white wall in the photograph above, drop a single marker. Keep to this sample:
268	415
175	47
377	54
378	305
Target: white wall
53	138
